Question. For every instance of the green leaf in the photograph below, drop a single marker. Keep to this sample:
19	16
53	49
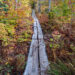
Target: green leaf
51	39
51	45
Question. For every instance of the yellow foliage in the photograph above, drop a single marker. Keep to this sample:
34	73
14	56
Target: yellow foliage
10	29
12	13
21	13
3	32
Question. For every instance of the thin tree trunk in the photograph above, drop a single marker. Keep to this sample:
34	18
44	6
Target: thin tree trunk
16	3
49	5
39	6
72	19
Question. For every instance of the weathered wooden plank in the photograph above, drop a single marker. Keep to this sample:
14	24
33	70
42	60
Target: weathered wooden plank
44	64
35	31
35	60
32	63
40	34
34	24
35	34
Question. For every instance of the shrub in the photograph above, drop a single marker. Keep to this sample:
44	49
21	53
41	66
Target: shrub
59	68
32	3
20	62
51	15
3	32
6	33
6	69
10	29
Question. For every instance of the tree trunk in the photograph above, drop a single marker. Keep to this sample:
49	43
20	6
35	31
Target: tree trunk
39	6
16	3
49	5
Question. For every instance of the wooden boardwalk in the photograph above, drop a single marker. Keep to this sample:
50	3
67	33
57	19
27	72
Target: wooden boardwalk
37	63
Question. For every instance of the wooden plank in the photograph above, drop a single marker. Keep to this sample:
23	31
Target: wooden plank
34	37
40	34
35	31
32	63
44	64
35	25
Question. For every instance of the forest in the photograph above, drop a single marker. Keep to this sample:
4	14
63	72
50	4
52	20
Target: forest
20	20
